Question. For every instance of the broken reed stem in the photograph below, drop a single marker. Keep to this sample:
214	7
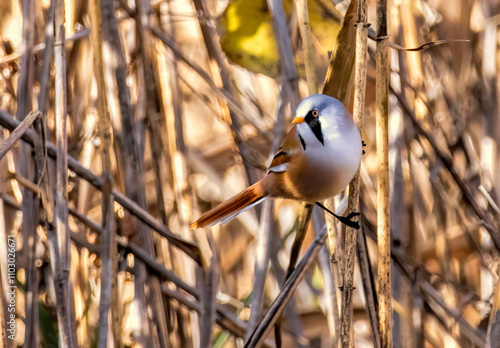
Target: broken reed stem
307	45
353	204
383	206
7	144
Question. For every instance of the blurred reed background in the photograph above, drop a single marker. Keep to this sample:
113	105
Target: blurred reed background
162	109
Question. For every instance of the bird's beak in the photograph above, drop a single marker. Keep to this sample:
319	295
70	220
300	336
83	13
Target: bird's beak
298	119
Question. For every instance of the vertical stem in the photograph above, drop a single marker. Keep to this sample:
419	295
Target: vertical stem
62	263
25	167
307	46
383	207
109	281
369	288
133	166
107	249
261	265
109	289
353	205
265	231
146	44
285	51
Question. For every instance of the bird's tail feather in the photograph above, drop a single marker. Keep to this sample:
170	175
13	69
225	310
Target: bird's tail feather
229	209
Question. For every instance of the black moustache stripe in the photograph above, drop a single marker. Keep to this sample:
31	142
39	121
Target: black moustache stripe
315	126
302	142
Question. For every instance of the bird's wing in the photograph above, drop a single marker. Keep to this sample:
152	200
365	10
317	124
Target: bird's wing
290	147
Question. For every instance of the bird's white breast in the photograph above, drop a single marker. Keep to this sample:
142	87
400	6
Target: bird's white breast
338	160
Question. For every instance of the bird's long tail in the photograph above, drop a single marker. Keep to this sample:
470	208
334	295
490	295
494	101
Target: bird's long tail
229	209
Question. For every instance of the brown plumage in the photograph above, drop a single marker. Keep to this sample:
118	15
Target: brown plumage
316	160
232	206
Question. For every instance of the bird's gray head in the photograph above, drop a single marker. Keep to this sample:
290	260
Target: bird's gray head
319	118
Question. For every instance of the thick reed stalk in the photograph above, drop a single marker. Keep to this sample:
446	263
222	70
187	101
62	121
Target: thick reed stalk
383	206
60	249
353	205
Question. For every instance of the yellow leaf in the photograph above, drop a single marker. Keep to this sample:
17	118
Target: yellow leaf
247	38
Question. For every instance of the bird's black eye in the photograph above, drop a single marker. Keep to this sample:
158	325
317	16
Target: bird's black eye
315	113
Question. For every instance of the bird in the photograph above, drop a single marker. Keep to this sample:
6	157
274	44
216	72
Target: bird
317	159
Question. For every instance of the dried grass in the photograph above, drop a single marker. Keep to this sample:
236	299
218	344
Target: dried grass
119	137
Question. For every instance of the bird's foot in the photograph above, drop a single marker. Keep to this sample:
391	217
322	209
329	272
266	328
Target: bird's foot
346	220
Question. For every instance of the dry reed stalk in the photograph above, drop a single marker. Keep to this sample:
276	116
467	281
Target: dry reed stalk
8	143
191	249
307	45
294	255
134	177
225	318
261	264
367	278
25	166
331	298
228	97
82	34
383	205
265	232
152	110
109	282
25	82
340	73
413	272
477	338
276	309
409	30
448	163
171	99
60	251
31	219
176	148
400	187
285	51
41	177
349	259
338	84
108	260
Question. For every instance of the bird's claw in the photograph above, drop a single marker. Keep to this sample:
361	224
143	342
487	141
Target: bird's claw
353	214
348	222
